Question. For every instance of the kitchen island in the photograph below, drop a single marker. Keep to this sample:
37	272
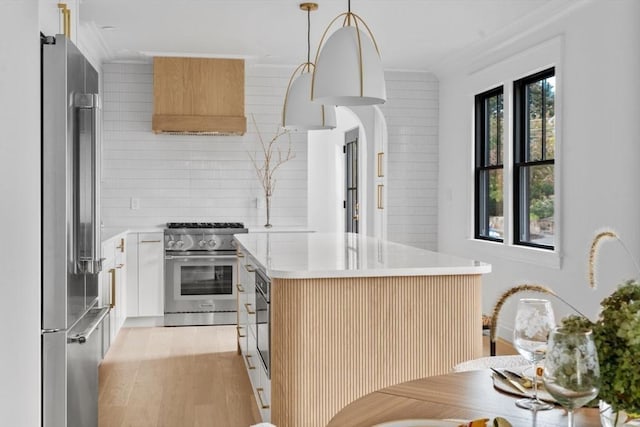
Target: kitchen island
348	315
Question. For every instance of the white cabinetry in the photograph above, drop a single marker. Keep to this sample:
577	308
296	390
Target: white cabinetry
106	277
247	344
150	274
146	277
113	279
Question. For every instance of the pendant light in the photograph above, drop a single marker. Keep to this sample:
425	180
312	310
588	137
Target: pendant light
348	67
298	112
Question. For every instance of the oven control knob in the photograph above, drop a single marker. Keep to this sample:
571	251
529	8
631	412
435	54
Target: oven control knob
212	243
179	243
171	243
202	243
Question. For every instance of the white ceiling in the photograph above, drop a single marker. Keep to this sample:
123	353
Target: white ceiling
411	34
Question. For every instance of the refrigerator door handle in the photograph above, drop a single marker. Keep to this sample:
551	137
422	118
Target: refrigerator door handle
82	337
90	258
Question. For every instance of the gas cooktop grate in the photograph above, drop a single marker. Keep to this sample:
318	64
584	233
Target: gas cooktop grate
205	225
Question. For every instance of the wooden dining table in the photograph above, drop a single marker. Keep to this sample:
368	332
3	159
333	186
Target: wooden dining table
463	395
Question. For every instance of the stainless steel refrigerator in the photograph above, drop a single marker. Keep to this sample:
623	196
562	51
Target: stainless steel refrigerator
71	319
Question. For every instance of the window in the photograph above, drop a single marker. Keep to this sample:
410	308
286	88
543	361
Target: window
534	152
489	155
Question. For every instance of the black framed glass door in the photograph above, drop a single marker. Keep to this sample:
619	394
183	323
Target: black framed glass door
352	205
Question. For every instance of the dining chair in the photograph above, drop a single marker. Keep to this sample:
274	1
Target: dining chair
505	361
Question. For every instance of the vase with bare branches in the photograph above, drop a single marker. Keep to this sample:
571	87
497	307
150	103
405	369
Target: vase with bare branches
273	156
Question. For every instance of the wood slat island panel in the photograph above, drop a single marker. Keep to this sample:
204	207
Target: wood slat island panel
334	340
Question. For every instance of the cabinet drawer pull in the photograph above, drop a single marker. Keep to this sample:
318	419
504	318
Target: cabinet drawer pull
380	202
263	405
249	364
240	334
150	241
121	245
240	288
250	268
112	299
247	306
240	255
119	265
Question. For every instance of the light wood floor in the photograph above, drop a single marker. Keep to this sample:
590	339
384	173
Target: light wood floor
502	347
181	377
175	377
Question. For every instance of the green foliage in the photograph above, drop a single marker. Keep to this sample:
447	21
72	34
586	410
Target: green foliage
617	336
542	208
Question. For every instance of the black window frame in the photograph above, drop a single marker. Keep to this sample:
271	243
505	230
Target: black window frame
481	166
520	147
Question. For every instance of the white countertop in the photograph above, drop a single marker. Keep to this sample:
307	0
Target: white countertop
315	255
109	233
278	229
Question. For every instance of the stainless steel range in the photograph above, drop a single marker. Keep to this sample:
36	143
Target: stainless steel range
200	273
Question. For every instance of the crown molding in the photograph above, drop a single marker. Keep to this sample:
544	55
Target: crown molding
495	46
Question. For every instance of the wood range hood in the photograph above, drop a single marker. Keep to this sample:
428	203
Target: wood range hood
198	96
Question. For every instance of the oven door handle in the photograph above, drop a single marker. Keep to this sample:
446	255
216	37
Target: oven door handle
198	257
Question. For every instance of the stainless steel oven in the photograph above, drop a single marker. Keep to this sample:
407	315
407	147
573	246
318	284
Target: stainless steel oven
263	319
200	274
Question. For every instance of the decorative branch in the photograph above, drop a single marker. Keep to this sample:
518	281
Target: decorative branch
593	254
274	157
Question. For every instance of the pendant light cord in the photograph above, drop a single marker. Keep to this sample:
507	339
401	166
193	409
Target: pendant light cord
308	38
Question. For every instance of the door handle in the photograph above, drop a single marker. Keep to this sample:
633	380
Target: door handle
89	254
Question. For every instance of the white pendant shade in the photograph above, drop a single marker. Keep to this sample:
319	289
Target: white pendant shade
302	114
338	75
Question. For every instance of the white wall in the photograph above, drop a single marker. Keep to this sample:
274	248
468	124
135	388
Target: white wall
194	178
20	212
411	113
596	155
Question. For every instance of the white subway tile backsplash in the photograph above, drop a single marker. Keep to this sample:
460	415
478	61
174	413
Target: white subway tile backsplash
186	177
411	113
